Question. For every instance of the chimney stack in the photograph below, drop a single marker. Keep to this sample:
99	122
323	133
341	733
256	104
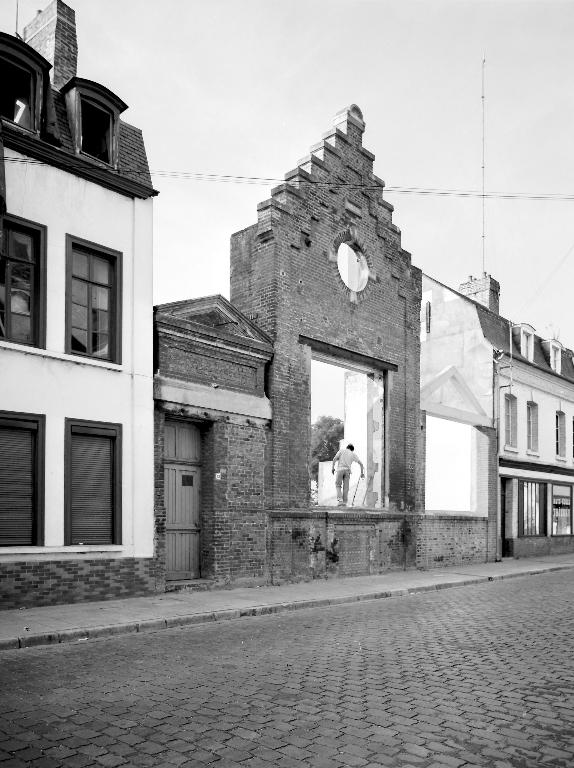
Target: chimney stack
485	290
53	34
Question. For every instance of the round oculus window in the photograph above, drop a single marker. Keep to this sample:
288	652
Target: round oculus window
353	267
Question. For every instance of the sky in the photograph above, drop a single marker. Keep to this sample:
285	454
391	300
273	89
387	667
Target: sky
245	87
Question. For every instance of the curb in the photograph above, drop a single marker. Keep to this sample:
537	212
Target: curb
229	614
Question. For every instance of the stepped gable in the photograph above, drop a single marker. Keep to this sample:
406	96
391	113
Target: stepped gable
323	273
338	174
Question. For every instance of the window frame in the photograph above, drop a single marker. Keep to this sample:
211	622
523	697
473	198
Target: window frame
527	343
542	507
116	293
21	420
99	429
33	89
428	316
322	352
555	356
79	89
560	434
39	233
93	103
18	53
510	420
553	507
532	426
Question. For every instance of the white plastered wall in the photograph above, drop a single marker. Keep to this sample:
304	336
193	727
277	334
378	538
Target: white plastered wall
63	386
448	479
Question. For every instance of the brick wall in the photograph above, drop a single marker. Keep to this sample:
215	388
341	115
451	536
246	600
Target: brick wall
282	275
486	473
159	536
234	524
53	34
53	582
443	540
536	546
188	362
319	544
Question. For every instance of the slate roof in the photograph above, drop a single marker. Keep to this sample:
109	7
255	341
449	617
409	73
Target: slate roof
496	330
132	161
51	140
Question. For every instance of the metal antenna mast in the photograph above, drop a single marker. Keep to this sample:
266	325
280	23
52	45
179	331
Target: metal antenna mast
483	165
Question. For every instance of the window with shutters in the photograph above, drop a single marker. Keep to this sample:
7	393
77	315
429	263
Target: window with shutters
22	282
510	436
93	483
532	427
560	434
21	479
93	300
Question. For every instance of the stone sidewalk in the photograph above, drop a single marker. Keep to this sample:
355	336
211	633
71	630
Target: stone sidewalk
22	628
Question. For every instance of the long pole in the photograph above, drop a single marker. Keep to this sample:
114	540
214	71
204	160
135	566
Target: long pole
483	171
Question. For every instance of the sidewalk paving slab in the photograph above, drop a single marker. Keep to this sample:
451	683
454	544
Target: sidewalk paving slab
79	622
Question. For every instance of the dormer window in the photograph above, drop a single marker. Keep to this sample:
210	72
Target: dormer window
23	76
17	93
556	357
95	116
527	342
96	138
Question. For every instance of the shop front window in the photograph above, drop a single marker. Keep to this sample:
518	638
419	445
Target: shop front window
561	510
532	509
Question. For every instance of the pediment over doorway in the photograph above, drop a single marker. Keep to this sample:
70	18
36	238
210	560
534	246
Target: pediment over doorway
215	312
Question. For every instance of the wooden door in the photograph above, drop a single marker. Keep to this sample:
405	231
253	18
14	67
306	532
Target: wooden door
182	500
182	495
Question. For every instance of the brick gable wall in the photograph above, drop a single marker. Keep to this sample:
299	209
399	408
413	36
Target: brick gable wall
281	275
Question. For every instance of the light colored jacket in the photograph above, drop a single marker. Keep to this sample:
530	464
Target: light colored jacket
345	459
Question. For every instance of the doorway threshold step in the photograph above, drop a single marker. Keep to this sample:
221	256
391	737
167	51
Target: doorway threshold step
190	585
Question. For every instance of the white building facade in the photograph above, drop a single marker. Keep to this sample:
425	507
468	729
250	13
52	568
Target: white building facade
76	307
483	373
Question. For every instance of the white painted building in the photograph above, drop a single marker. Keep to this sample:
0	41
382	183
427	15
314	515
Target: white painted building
76	367
480	371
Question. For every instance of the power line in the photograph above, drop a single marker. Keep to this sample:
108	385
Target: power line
265	180
541	287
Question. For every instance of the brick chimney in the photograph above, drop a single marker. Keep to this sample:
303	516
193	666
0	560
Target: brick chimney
53	34
485	290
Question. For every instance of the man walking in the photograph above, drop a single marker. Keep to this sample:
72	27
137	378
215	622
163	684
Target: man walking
344	459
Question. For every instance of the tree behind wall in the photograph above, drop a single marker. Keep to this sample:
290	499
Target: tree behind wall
326	434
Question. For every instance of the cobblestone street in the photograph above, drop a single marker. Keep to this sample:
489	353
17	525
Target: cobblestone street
475	676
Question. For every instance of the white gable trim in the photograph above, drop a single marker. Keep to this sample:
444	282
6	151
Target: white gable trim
473	413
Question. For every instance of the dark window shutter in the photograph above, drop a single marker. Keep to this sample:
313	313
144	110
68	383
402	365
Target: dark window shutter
92	489
17	486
